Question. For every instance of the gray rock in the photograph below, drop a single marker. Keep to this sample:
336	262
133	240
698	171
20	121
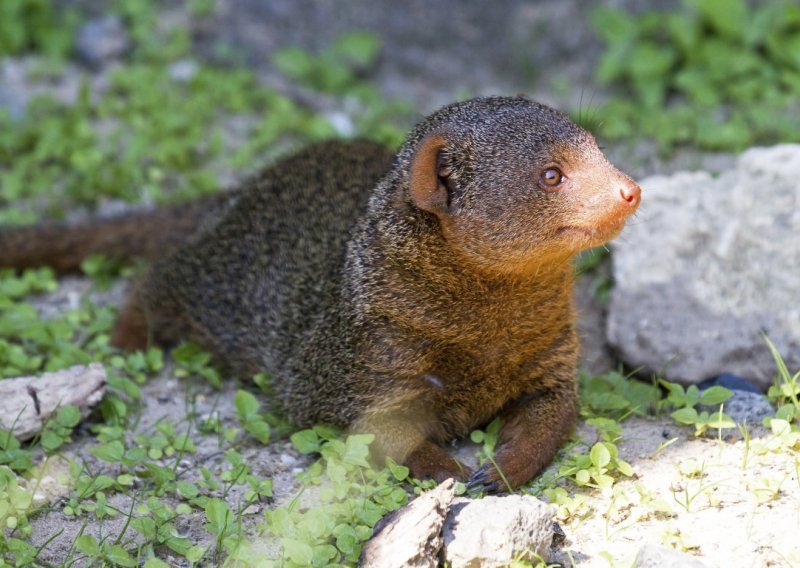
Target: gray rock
13	96
183	70
101	41
19	84
710	264
494	531
652	556
411	536
418	62
12	103
746	407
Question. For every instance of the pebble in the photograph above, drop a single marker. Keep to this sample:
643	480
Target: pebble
652	556
341	123
730	382
745	406
497	530
183	70
288	460
101	41
13	97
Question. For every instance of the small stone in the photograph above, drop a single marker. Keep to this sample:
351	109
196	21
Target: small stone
49	481
26	403
183	71
253	509
559	536
496	531
288	460
14	96
747	407
652	556
730	382
12	103
101	41
341	123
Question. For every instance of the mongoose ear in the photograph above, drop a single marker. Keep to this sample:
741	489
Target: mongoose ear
430	184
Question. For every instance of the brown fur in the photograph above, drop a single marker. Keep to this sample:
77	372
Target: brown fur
144	234
416	299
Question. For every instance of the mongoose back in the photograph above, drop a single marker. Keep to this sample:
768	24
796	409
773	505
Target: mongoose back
415	298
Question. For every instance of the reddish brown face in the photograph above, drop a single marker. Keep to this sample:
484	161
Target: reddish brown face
523	188
598	197
543	211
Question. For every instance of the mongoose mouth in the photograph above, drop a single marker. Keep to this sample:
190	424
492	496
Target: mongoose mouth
598	234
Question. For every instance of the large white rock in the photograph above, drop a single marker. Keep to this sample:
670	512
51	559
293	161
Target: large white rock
708	264
497	531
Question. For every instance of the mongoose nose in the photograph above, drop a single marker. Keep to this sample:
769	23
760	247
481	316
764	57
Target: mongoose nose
631	193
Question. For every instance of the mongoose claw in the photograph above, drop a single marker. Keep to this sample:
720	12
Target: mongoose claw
480	480
477	478
481	488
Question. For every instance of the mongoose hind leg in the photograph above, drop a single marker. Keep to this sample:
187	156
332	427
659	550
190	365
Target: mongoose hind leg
431	461
131	332
149	318
406	435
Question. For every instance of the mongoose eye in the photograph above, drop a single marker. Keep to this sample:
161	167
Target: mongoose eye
550	178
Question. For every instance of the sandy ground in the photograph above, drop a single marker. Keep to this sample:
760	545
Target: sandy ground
730	506
168	399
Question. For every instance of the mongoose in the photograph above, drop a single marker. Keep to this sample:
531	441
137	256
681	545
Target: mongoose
414	297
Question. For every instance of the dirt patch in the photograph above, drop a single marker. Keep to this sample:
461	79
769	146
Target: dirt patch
166	399
729	504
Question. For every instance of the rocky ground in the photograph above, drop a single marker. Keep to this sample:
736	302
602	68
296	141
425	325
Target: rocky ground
730	502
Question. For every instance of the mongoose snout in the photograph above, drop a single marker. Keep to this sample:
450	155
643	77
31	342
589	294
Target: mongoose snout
631	193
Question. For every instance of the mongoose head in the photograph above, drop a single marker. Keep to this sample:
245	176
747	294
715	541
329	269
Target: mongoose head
514	184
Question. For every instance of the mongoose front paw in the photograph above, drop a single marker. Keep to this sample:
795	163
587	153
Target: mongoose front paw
430	461
514	468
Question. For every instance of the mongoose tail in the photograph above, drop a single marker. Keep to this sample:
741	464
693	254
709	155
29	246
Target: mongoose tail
146	235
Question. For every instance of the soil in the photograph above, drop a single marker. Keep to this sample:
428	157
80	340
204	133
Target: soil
166	398
721	512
